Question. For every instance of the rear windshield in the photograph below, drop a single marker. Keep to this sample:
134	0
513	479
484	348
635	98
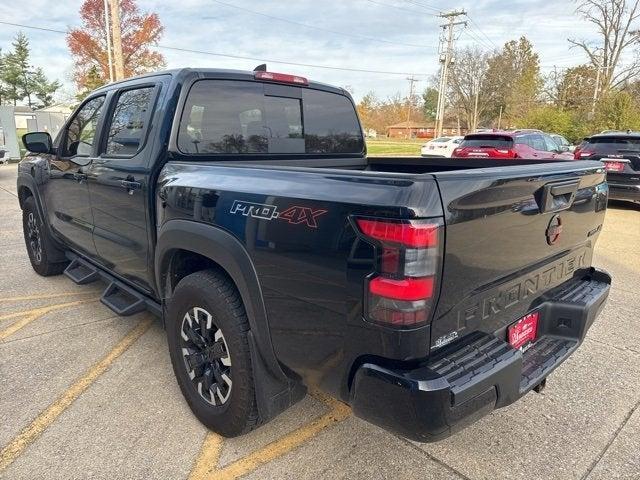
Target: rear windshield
441	139
222	117
614	143
487	141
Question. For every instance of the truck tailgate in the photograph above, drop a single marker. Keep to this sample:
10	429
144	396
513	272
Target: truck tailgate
513	233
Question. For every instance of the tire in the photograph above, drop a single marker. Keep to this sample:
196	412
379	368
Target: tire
40	246
207	330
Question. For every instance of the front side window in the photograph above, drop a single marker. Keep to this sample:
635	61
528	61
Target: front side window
128	123
227	117
81	132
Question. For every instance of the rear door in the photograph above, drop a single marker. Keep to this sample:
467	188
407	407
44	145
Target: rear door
119	183
513	233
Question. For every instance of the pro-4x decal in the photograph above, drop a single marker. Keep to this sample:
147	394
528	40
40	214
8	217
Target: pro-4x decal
295	215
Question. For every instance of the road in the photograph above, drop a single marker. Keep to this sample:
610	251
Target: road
86	394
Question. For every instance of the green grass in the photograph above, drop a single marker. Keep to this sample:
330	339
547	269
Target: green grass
393	146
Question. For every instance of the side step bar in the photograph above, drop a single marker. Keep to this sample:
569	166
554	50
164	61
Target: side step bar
118	296
81	272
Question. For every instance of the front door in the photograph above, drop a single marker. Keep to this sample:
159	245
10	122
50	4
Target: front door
65	191
119	186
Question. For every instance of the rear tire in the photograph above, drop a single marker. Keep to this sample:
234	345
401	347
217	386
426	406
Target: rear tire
40	246
207	330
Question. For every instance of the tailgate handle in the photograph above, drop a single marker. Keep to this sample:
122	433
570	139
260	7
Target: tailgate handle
558	196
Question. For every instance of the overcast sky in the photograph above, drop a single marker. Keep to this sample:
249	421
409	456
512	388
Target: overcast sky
383	35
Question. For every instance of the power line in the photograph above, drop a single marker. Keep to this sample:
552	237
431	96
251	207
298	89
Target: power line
315	27
401	8
242	57
424	5
282	62
477	39
474	24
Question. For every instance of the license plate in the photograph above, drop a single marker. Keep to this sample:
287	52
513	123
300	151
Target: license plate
523	332
613	165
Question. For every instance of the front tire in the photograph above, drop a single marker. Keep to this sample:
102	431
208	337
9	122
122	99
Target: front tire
40	246
207	330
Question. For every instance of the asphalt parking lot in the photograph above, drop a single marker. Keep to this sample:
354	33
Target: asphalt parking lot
87	394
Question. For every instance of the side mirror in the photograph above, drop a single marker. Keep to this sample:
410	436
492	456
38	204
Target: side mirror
564	148
38	142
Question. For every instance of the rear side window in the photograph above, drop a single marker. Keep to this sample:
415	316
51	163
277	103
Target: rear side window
487	141
227	117
128	124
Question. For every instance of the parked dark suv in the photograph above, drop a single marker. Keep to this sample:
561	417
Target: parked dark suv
620	152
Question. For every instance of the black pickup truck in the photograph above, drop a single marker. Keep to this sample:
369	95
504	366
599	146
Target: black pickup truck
241	208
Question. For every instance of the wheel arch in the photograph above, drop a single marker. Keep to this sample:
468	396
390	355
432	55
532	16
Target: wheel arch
275	390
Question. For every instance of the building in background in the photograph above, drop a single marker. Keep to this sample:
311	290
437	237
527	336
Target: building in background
420	130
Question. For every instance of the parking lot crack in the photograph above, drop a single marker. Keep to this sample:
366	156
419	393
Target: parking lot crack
434	458
602	453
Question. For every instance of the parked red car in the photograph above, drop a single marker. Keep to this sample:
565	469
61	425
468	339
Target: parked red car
511	144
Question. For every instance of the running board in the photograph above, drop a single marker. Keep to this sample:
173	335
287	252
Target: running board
123	300
81	272
118	296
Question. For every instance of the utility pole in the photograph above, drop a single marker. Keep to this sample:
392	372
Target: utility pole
412	80
447	31
117	39
475	106
595	91
108	31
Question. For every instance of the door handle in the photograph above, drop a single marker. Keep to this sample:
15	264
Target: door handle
131	185
79	177
557	196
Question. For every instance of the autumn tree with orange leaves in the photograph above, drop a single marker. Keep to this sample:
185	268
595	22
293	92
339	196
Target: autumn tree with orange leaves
88	44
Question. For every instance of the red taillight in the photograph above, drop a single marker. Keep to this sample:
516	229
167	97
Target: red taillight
406	289
457	151
281	78
613	166
579	154
406	234
400	294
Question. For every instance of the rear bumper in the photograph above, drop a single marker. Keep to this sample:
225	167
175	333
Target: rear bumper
625	192
469	379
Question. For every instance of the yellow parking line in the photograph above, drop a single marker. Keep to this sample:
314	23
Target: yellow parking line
208	458
33	314
207	463
31	433
41	297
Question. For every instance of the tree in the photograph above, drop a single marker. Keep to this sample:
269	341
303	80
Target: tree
572	89
617	110
20	80
513	75
88	44
43	88
93	81
616	25
466	77
430	103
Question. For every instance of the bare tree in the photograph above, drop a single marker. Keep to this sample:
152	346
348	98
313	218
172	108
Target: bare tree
615	21
466	80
